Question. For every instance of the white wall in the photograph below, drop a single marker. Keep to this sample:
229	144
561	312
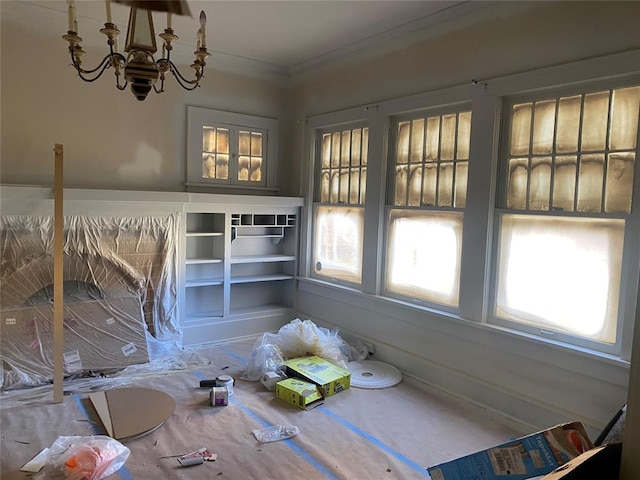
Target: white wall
512	37
113	141
110	139
537	382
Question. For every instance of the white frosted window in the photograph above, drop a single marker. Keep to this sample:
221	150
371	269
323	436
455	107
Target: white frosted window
574	153
233	150
561	273
215	152
249	156
564	186
341	190
343	160
338	234
431	161
431	166
624	118
518	179
423	257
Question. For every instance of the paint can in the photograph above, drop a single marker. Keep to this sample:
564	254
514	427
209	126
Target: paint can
219	396
225	381
269	380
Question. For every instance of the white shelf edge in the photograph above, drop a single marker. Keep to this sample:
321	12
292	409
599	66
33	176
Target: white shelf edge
205	234
205	282
195	261
260	278
262	258
237	237
261	310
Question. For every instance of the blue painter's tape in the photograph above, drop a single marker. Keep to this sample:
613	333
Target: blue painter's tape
234	355
289	442
418	468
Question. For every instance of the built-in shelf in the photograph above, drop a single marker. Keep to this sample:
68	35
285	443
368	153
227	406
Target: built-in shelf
239	268
263	258
193	261
205	234
260	278
203	282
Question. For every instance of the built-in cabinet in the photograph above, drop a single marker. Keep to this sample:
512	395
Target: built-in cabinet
233	258
240	264
204	265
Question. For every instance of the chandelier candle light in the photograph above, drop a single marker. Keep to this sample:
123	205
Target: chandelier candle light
139	67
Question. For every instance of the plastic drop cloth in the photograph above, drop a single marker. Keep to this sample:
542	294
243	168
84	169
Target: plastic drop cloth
298	338
120	299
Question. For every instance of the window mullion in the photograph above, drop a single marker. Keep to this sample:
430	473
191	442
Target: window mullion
578	156
554	154
423	162
605	163
374	205
530	156
478	214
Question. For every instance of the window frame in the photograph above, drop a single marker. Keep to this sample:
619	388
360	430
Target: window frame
198	117
479	249
318	134
389	194
581	88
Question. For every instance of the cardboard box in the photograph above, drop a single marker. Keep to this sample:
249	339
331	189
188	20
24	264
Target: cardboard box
299	393
529	456
329	378
99	336
601	462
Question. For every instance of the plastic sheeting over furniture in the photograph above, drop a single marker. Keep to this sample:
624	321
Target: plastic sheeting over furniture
119	293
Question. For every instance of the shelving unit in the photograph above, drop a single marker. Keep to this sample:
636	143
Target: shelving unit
263	261
204	265
240	262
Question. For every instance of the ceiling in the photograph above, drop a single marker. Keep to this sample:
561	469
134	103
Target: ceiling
284	37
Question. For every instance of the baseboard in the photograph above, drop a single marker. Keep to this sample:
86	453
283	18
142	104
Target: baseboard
530	414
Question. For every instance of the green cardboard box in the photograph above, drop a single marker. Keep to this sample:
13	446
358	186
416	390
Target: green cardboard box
299	393
329	378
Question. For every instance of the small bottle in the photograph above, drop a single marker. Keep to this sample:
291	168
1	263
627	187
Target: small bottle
219	396
225	381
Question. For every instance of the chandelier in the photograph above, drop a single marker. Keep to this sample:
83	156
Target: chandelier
139	68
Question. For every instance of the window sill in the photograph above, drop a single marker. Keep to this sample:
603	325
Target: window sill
544	351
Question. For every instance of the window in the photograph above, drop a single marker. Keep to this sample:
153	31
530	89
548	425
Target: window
339	209
511	205
569	184
424	235
230	149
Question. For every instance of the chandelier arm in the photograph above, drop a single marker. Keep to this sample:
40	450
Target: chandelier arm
161	89
184	83
82	72
104	63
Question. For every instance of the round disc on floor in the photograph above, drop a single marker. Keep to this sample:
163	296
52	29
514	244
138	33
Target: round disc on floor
374	374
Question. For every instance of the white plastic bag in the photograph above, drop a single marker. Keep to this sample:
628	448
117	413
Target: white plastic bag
295	339
275	433
299	338
83	458
263	359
